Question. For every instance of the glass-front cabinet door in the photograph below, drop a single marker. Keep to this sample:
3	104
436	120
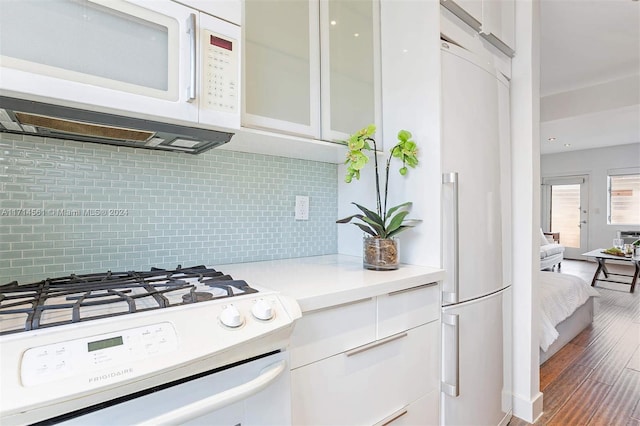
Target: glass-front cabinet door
312	66
112	53
350	31
282	66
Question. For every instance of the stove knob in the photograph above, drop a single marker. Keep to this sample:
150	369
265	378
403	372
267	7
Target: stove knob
231	317
262	310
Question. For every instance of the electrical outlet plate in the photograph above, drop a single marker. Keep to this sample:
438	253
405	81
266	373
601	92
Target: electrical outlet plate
302	207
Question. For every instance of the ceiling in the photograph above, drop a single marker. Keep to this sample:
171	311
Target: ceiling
590	74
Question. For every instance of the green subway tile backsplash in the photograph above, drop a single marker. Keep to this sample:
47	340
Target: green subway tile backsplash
72	207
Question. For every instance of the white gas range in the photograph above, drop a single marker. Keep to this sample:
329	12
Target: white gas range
154	347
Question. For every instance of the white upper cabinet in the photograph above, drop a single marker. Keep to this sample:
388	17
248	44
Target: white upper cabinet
498	24
295	47
350	45
282	68
229	10
493	19
471	7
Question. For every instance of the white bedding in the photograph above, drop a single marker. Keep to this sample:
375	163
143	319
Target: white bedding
560	296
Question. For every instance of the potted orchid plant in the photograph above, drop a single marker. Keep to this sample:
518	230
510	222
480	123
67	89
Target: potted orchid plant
382	225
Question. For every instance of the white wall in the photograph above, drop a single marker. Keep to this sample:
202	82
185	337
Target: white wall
525	139
594	163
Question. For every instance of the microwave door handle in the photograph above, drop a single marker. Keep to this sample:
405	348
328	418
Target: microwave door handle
191	30
199	408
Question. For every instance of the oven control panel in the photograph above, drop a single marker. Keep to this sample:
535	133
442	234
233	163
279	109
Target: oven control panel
57	361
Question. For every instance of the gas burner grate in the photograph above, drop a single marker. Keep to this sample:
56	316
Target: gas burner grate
77	298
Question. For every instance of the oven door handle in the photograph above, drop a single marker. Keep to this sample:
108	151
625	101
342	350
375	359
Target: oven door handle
199	408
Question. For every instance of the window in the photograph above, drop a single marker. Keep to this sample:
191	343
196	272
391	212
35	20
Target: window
624	198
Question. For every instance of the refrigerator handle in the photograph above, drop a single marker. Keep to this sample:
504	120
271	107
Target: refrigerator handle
452	320
453	297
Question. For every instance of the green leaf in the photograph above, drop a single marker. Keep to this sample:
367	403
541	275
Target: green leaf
410	223
348	219
375	226
366	229
392	210
396	221
398	230
370	214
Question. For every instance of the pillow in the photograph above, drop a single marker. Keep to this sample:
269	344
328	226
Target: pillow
543	238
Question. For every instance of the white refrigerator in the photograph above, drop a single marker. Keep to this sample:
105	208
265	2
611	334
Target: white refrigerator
476	299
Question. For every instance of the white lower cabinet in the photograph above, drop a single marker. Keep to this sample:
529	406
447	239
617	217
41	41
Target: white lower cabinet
369	383
389	377
423	412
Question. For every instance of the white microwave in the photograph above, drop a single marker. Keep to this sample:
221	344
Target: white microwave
149	59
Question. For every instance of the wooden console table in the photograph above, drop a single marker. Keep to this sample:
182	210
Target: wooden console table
601	258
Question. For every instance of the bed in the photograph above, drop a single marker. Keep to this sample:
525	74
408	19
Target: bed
566	309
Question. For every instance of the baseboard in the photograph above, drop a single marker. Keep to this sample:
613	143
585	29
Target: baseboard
506	419
528	410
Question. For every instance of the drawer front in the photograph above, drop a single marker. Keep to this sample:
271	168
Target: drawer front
323	333
365	385
425	412
405	309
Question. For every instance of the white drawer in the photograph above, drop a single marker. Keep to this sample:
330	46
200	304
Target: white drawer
366	384
326	332
425	412
405	309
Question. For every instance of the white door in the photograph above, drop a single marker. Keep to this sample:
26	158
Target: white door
565	209
474	94
255	393
476	361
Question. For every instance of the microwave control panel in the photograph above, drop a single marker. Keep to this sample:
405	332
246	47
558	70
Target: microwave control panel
220	68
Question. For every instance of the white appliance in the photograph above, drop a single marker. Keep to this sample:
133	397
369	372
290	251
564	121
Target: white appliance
155	347
148	59
476	313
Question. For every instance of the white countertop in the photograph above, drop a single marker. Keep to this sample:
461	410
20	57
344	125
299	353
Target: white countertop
322	281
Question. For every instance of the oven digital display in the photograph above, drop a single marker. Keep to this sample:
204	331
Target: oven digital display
106	343
220	42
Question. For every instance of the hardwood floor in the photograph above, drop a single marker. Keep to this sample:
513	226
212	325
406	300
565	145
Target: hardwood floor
595	379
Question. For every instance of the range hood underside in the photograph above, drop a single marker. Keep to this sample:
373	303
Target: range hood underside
21	116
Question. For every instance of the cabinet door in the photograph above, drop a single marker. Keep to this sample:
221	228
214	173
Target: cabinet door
350	32
323	333
282	66
229	10
472	7
498	22
369	383
405	309
425	412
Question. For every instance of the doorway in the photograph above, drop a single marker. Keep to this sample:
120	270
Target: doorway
565	207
